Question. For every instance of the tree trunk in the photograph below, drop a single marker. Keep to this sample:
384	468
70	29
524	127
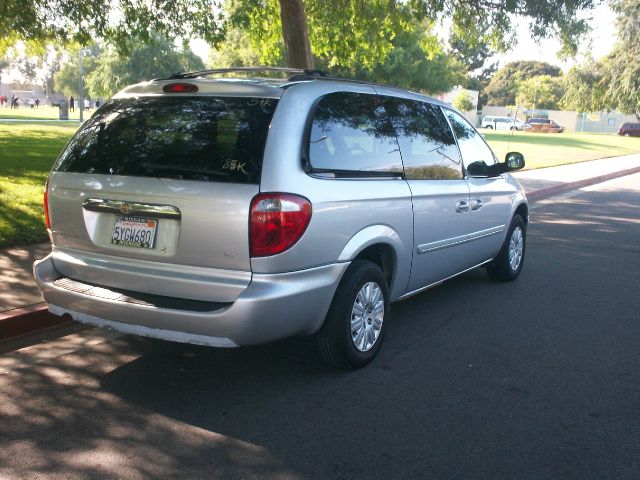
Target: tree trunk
295	34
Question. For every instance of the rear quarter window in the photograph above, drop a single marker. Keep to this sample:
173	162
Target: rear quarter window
350	132
189	138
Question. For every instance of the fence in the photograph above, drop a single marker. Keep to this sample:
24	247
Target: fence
596	122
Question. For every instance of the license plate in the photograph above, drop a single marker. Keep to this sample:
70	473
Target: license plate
134	232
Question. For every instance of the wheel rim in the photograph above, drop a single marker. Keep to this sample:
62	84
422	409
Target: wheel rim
516	248
367	315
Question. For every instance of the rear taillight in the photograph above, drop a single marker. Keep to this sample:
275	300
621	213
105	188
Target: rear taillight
278	220
47	222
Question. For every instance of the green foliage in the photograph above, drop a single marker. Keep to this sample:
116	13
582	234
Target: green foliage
622	67
503	87
464	102
114	71
417	61
470	47
236	51
81	21
66	80
542	91
583	88
341	35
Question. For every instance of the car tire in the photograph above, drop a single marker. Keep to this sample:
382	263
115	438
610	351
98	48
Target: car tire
508	264
489	127
512	128
627	134
354	328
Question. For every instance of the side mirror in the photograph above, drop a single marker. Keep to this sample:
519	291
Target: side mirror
512	161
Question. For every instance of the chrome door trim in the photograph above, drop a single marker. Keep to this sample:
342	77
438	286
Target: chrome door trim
450	242
121	207
486	233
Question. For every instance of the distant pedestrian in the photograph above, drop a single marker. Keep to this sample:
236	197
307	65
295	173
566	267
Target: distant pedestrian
72	103
87	104
37	103
13	100
98	103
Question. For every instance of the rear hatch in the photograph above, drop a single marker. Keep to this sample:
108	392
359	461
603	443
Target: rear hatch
153	194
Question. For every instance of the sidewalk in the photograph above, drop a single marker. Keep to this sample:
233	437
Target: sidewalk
545	182
23	310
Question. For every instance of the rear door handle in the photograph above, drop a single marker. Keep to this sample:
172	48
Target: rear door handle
462	206
476	204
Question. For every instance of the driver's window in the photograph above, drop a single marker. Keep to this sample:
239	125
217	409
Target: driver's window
477	157
351	131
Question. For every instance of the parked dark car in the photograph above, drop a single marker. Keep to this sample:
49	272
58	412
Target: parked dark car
543	125
629	129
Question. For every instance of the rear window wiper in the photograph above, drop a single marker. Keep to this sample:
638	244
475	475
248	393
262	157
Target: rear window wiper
184	169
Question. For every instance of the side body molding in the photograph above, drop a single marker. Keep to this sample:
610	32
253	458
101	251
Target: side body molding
402	253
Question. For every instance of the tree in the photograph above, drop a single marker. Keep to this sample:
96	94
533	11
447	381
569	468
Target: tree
4	64
114	71
472	50
584	90
67	80
503	87
417	61
542	91
464	102
236	51
368	21
622	67
27	69
335	27
81	21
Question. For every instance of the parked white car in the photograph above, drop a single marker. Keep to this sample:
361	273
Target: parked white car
502	123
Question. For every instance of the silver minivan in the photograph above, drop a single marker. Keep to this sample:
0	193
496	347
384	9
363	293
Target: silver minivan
237	211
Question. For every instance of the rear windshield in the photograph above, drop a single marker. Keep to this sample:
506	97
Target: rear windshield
188	138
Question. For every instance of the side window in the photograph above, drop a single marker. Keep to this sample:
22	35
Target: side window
351	132
427	145
476	154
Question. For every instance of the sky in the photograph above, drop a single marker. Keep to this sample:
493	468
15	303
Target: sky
599	43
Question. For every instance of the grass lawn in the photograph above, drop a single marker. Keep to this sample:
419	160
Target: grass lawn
45	112
27	153
551	149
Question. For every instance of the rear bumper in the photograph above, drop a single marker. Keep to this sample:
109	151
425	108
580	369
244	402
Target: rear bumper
272	307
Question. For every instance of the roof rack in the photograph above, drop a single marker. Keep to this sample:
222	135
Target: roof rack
297	73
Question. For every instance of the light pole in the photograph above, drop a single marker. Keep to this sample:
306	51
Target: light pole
535	95
81	86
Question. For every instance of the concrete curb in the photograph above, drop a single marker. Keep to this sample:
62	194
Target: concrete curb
23	321
542	193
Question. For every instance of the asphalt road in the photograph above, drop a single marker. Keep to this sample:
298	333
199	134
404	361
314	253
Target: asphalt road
537	379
